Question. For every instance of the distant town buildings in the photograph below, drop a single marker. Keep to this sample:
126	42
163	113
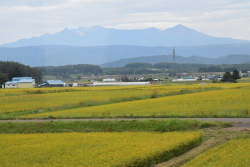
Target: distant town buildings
245	73
201	78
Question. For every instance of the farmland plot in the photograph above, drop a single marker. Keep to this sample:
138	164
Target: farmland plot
234	153
218	103
59	97
94	149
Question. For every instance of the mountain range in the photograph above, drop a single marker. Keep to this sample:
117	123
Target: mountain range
99	45
231	59
68	55
99	36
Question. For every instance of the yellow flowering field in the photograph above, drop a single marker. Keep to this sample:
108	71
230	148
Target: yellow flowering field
235	153
218	103
93	149
82	95
29	102
14	92
17	92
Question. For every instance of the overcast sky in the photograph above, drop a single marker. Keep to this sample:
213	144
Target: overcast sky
28	18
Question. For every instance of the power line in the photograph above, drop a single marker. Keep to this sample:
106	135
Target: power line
173	63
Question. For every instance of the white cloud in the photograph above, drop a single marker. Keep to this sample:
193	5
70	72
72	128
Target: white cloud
80	33
34	9
27	18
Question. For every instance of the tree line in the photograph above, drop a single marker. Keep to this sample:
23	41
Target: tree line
147	68
86	69
10	69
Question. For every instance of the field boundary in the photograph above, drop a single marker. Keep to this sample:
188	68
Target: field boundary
213	138
236	121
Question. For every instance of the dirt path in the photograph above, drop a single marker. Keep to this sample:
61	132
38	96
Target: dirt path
212	137
237	122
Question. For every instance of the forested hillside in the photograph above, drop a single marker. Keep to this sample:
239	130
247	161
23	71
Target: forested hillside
86	69
39	56
147	68
8	70
230	59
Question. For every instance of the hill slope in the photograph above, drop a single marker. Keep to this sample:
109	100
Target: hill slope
231	59
65	55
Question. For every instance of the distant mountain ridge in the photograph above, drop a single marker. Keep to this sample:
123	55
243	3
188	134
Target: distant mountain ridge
231	59
98	36
69	55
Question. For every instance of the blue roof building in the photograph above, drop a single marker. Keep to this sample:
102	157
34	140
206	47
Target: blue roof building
53	83
21	78
20	82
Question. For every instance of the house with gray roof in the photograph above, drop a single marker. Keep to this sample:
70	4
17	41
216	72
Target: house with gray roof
53	83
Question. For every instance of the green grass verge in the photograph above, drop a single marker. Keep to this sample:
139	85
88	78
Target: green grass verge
108	126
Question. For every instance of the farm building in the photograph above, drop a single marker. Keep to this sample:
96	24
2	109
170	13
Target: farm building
119	83
184	79
109	80
20	82
53	83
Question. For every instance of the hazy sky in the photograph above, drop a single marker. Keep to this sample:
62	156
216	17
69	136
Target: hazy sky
27	18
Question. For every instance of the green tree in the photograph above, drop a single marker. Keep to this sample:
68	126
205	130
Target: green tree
236	75
125	78
227	77
3	78
14	69
78	78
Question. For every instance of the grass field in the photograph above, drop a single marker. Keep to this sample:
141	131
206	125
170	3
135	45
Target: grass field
17	102
109	126
94	149
62	97
233	153
217	103
176	100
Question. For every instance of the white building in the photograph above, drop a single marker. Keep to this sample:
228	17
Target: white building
75	85
119	83
183	80
109	80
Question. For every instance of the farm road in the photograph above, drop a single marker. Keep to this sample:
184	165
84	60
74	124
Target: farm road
237	122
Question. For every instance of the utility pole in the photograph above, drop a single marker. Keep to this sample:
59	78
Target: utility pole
174	62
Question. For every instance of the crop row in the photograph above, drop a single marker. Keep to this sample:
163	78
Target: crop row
233	153
218	103
84	98
18	92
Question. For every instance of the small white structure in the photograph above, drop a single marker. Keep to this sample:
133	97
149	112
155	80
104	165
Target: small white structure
75	85
109	80
120	83
9	85
183	80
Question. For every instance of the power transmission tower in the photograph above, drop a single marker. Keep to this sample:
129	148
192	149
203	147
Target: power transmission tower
174	62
